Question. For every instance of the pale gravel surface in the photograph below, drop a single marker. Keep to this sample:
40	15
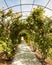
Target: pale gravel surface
24	56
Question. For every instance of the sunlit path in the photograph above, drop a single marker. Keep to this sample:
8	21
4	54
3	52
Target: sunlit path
25	56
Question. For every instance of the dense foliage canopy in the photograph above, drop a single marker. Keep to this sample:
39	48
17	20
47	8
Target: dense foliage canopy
36	30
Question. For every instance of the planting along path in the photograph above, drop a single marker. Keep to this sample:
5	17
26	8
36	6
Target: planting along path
24	56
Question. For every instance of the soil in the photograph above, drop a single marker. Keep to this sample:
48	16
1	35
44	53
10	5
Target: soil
3	62
48	61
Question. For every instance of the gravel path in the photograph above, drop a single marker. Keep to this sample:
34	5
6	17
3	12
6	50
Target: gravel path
25	56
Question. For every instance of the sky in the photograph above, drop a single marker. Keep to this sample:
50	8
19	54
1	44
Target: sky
26	7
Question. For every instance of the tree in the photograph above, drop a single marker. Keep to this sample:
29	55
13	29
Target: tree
37	22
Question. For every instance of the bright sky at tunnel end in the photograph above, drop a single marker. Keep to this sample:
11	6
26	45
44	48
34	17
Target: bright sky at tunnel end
26	7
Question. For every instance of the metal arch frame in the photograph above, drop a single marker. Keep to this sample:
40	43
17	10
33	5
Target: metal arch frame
20	6
33	4
23	11
6	3
47	3
28	4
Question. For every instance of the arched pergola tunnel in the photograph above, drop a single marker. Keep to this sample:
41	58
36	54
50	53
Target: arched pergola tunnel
25	34
34	26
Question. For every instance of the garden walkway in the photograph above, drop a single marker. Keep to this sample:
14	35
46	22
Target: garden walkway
24	56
